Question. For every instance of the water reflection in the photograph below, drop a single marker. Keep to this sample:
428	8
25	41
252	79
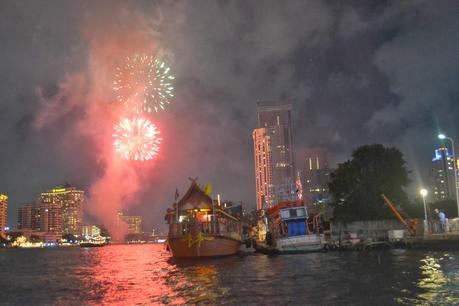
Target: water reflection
146	275
438	288
142	275
123	275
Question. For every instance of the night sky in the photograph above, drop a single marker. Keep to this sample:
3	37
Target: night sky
356	72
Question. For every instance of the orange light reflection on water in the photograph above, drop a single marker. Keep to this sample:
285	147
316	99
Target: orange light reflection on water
143	275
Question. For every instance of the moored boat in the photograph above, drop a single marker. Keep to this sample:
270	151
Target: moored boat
98	241
199	227
288	228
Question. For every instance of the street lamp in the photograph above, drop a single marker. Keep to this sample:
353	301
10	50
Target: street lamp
424	193
442	137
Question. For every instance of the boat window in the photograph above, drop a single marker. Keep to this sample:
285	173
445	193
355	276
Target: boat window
300	212
293	212
285	214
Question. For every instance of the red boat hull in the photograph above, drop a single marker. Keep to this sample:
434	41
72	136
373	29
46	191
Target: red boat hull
208	247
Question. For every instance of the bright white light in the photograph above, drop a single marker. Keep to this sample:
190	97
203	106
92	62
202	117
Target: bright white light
423	192
441	136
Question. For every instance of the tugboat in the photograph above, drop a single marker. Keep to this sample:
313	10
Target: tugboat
200	227
288	228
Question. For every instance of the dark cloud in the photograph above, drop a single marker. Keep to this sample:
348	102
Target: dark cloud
357	72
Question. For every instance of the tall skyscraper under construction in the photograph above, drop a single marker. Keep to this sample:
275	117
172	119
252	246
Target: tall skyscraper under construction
273	154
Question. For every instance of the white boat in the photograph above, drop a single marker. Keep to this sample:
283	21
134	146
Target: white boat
289	229
303	243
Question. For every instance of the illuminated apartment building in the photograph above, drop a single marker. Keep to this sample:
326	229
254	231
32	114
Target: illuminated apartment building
3	213
263	168
51	218
70	200
134	223
443	175
29	217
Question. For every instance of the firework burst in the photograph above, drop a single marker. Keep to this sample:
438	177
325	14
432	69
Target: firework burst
144	84
136	139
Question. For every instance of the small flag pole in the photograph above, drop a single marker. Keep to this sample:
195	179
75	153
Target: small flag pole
176	206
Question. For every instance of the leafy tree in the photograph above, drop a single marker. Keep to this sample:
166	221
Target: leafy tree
35	238
356	186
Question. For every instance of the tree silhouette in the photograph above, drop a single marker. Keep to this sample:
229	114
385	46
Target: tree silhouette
356	186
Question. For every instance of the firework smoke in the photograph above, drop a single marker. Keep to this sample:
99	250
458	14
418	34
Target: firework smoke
90	93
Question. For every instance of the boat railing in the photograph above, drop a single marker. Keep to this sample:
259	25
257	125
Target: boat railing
182	229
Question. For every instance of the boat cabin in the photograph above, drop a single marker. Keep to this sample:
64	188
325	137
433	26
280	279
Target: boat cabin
196	213
291	218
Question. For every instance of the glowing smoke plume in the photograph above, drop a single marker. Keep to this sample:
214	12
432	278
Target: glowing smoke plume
90	93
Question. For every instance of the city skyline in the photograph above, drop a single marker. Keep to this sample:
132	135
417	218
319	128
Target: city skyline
350	70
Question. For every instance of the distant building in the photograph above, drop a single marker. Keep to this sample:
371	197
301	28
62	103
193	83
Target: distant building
134	223
71	201
315	165
51	218
3	214
443	175
273	154
29	217
43	221
90	231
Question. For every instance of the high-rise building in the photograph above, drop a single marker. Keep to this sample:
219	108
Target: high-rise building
70	200
3	214
51	218
273	153
134	223
263	168
443	175
315	165
29	217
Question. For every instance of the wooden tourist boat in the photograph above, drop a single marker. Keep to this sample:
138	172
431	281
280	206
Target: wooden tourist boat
288	228
98	241
200	227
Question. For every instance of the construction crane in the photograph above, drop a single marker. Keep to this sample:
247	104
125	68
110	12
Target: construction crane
409	223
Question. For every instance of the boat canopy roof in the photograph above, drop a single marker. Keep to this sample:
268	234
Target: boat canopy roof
194	198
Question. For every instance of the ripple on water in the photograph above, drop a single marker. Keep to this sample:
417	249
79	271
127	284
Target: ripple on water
146	275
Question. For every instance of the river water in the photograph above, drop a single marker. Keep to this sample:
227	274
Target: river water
146	275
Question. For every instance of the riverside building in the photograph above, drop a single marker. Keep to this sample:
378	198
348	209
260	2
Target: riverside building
29	217
50	218
443	175
273	154
70	200
3	214
43	221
